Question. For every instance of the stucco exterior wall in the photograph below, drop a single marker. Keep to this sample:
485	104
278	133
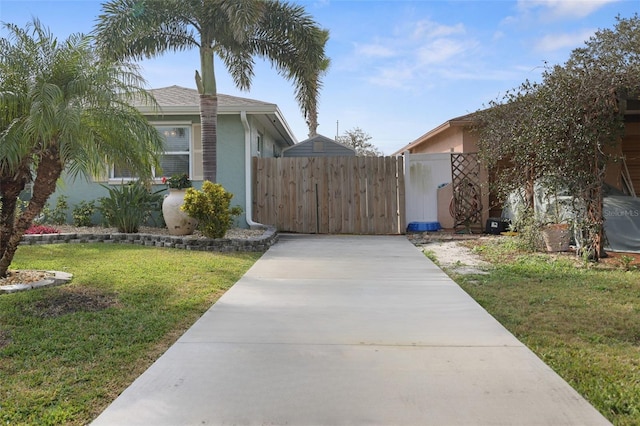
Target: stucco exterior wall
231	160
449	140
470	140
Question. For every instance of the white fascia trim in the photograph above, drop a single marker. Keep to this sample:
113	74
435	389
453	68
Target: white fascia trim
286	126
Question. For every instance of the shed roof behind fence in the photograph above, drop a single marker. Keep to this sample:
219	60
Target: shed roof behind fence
319	146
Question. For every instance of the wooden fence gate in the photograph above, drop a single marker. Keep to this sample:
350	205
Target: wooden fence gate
330	195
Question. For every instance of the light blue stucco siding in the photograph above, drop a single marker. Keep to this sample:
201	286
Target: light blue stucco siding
231	160
79	189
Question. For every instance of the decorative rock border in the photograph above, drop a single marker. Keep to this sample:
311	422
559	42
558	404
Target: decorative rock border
57	278
258	244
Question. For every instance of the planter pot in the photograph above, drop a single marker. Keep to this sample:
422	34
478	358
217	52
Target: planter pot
178	222
557	237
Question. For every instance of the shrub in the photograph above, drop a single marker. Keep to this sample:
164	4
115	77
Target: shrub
82	213
210	206
59	213
41	229
56	215
128	206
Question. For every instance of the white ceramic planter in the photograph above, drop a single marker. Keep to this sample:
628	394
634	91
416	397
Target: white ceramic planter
178	222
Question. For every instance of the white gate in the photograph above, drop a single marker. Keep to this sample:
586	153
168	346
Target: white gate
424	173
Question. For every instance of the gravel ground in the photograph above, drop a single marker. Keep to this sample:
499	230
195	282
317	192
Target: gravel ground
450	252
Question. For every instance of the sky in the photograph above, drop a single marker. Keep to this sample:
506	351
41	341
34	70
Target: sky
398	68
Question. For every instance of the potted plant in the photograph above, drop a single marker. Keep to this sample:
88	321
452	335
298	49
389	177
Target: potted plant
178	222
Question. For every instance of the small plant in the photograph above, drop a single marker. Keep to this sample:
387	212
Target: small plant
128	206
210	206
82	213
431	255
58	214
178	181
626	261
41	229
528	234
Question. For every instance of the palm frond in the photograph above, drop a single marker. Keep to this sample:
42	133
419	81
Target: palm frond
134	29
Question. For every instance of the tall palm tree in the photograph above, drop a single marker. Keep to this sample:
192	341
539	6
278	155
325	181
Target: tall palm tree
62	108
234	30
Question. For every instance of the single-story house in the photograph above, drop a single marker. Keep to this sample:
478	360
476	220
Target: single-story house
246	128
319	146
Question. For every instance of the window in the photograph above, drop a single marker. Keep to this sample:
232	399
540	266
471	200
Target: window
176	158
260	144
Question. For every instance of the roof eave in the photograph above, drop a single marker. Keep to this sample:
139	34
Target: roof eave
434	132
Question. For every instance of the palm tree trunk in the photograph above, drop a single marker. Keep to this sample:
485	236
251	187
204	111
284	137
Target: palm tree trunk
11	187
208	112
49	170
209	124
9	200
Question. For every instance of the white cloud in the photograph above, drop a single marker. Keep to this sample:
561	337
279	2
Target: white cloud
554	42
374	50
413	51
440	51
430	29
395	77
558	9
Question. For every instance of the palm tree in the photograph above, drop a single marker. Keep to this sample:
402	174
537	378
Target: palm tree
236	31
63	109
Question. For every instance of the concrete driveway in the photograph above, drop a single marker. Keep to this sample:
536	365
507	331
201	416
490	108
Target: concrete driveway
348	330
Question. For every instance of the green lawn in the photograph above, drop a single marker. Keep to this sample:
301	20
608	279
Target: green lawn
67	352
583	320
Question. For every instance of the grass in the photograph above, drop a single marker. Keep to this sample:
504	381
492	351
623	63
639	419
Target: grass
582	320
67	352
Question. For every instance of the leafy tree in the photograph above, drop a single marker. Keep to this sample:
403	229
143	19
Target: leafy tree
359	140
568	128
235	31
509	143
62	108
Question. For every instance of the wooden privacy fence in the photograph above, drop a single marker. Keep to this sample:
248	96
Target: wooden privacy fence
330	195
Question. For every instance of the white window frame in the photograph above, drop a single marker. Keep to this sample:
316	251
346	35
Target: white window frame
158	179
259	144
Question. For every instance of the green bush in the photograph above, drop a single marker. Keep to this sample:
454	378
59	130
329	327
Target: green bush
59	213
128	206
210	206
56	215
82	213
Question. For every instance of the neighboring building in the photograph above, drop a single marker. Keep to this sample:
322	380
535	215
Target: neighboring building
246	128
428	172
622	177
454	135
319	146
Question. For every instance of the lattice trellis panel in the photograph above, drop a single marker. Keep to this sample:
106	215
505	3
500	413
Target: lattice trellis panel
466	208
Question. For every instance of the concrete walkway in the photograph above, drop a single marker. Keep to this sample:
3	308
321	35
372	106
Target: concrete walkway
348	330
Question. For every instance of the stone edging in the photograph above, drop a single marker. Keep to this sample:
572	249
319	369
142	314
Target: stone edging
57	278
187	242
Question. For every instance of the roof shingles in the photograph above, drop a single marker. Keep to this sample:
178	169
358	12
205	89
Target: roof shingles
177	96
